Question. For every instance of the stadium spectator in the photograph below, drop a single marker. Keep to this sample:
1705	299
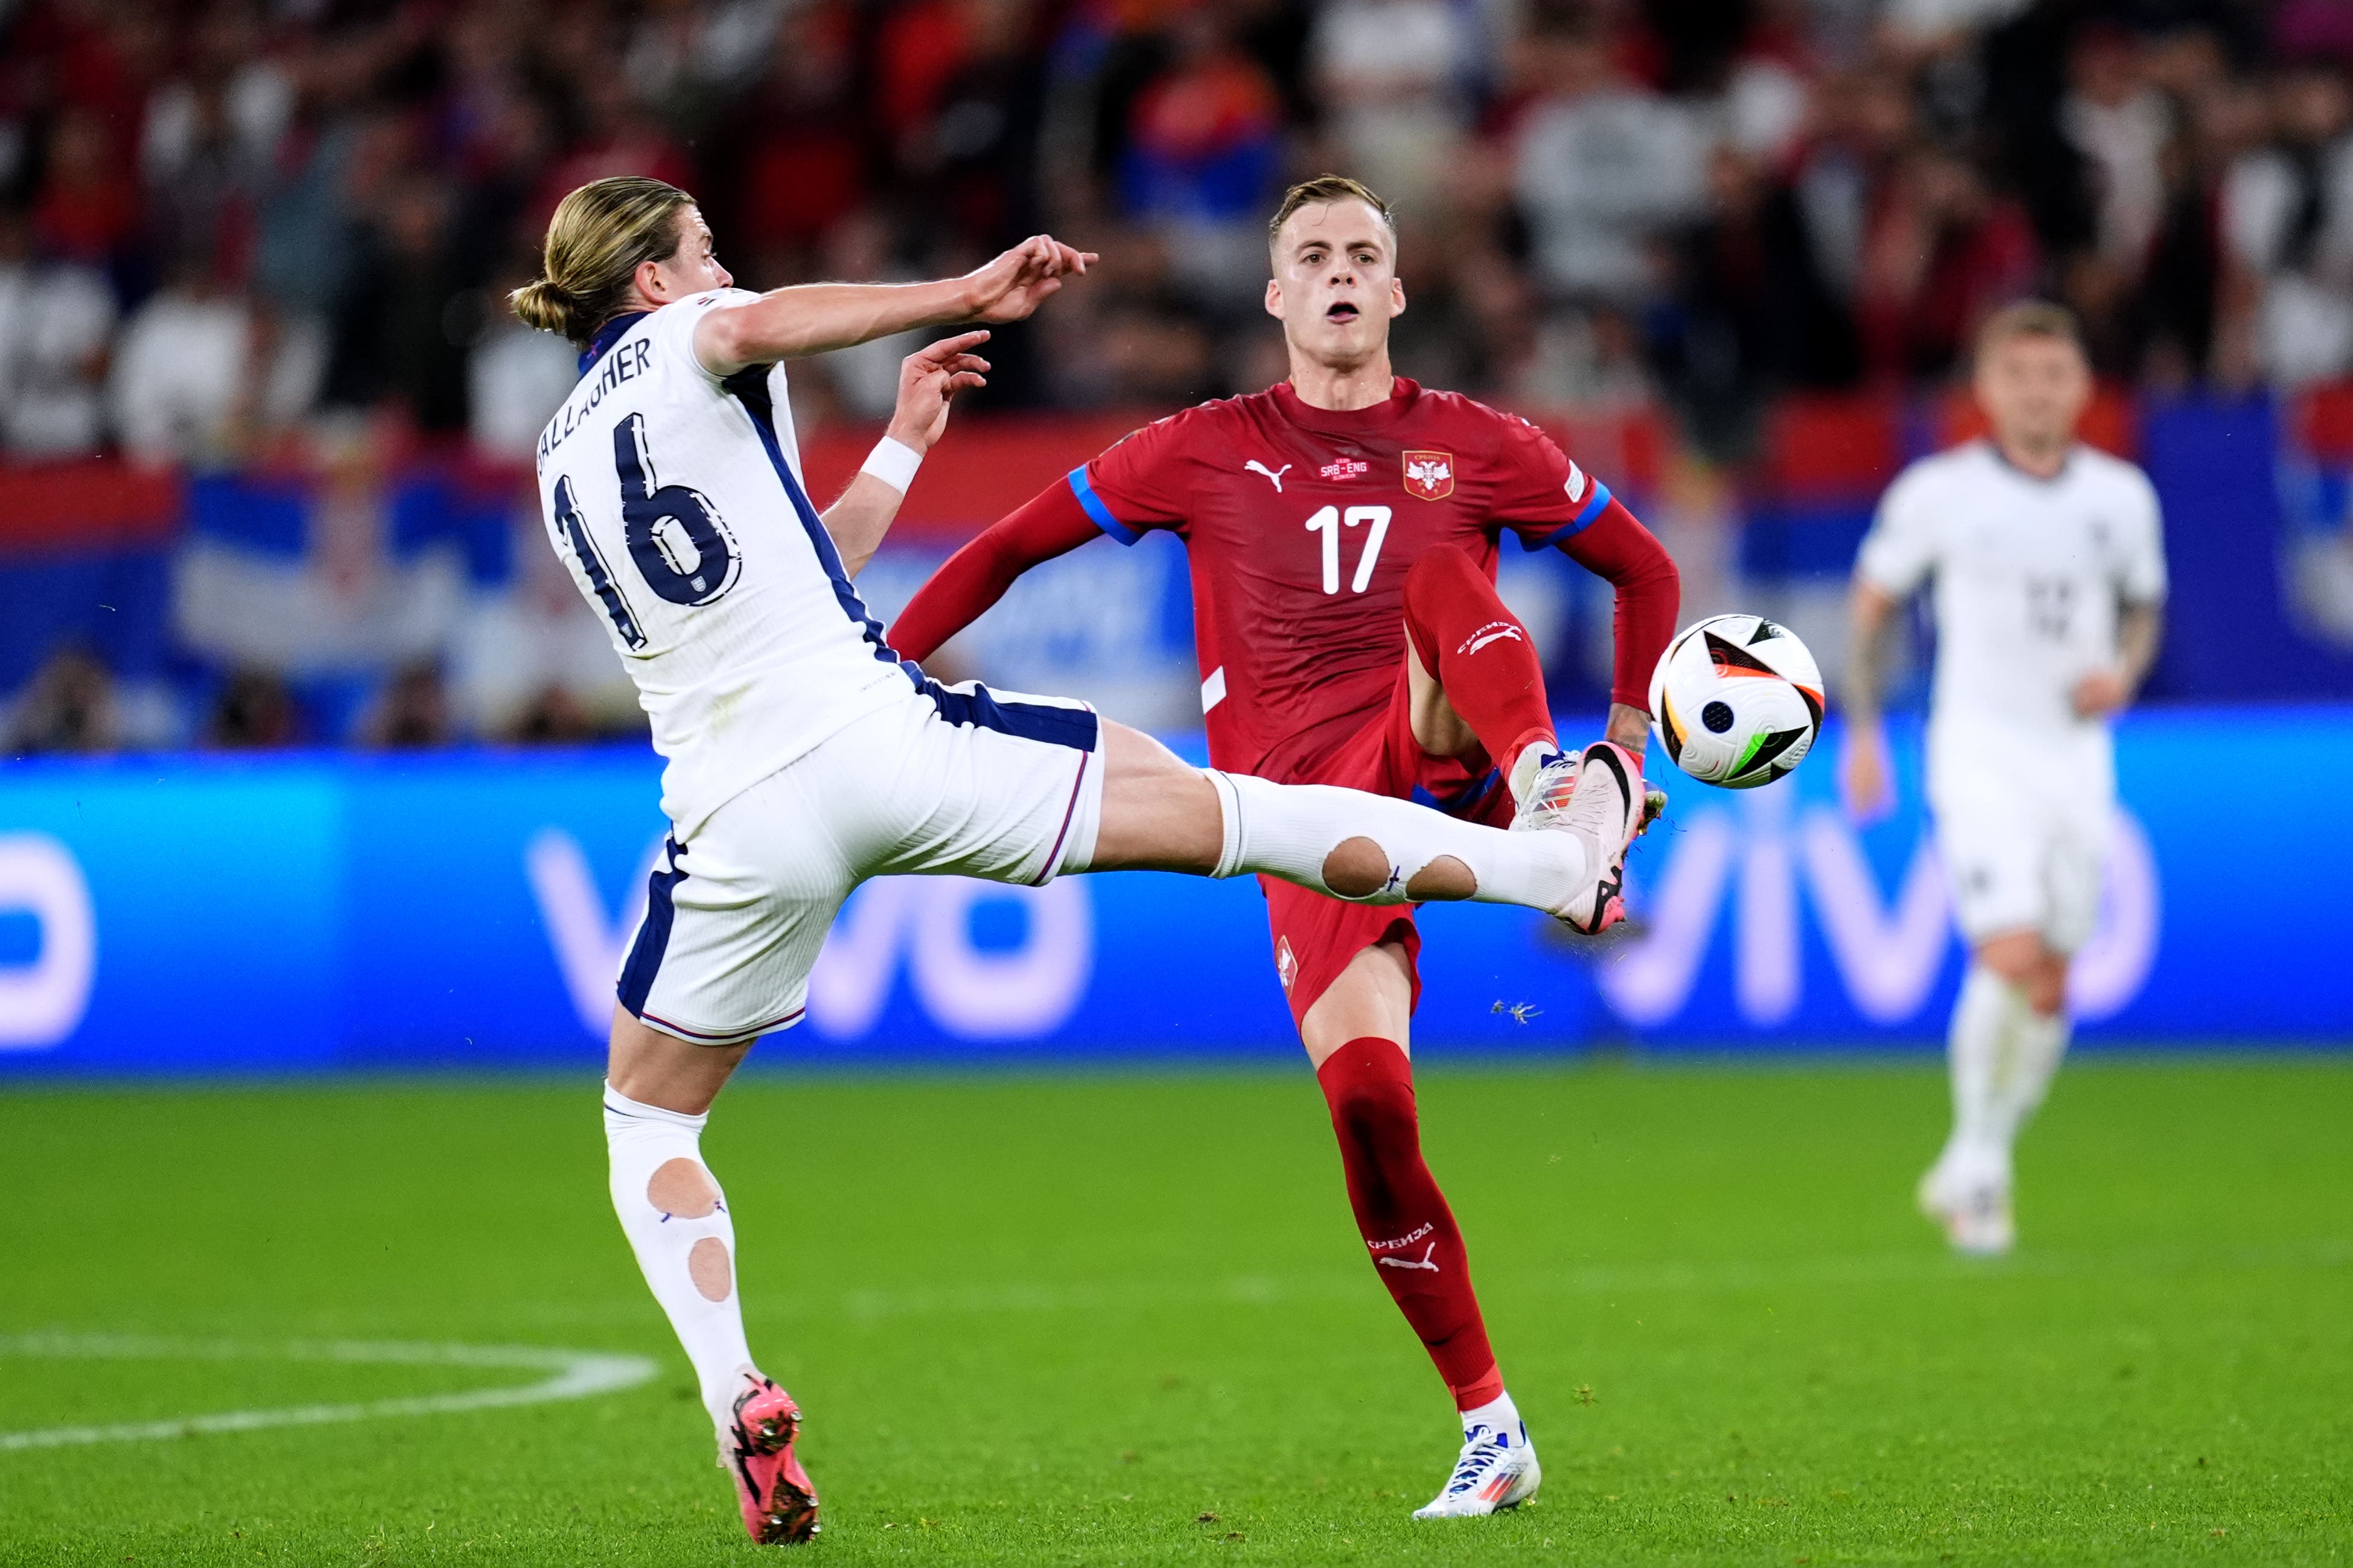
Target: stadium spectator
57	319
1603	166
88	204
2119	125
786	166
411	714
181	379
1394	76
401	337
2176	332
2287	220
204	369
1203	152
515	377
254	711
553	718
67	709
617	135
1939	254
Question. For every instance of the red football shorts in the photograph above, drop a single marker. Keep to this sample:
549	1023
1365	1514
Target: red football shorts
1315	937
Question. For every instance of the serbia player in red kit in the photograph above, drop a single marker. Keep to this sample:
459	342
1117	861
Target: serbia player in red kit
1343	529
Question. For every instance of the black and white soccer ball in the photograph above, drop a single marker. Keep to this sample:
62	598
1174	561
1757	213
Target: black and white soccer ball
1736	700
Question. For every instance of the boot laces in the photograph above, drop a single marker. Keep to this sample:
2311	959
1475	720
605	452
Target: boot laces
1484	1448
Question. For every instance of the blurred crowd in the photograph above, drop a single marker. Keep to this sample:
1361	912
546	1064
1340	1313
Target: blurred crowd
221	219
235	228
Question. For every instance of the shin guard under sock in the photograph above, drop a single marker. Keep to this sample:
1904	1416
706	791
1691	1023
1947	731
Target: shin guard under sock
1416	1247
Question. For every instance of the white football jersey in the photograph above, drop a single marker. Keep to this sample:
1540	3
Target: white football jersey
676	499
2028	576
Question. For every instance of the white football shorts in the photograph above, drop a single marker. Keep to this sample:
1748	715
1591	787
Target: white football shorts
955	781
2023	851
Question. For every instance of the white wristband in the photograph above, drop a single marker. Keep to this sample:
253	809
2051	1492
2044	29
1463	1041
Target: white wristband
895	463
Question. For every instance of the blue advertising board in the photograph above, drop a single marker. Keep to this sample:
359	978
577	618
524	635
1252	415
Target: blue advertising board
321	912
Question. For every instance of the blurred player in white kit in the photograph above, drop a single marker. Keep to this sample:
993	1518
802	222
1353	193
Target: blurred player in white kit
2049	582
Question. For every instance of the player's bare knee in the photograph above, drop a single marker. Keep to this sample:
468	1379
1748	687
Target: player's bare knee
712	1271
683	1189
1356	869
2046	991
1443	881
2015	957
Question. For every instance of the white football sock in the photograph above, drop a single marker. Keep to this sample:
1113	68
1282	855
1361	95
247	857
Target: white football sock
1984	1023
1498	1414
676	1219
1286	831
2038	1042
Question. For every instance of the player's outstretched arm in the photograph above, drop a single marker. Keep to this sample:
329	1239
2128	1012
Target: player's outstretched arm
816	318
928	379
1051	523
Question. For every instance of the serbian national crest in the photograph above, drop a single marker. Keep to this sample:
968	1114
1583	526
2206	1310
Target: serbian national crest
1430	476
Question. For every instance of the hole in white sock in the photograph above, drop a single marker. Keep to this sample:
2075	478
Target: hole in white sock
712	1271
1356	869
1443	881
682	1189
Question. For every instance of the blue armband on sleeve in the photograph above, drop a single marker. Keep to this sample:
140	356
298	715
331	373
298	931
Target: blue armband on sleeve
1092	505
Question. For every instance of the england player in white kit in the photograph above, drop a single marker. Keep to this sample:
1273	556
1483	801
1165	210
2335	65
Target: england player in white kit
2046	569
804	756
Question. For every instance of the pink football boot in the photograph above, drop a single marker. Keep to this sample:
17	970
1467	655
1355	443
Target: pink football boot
779	1504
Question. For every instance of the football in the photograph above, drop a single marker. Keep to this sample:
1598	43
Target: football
1736	700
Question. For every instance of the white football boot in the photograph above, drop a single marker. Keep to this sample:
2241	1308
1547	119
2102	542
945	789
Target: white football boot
1542	782
1972	1206
1600	798
1496	1470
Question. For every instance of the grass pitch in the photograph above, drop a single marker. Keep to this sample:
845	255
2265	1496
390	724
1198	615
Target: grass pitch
1127	1320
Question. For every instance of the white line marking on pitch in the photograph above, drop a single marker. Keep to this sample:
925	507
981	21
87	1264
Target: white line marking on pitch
571	1374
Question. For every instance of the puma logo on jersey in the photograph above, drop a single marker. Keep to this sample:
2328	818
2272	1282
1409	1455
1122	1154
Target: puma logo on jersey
1273	475
1493	632
1425	1261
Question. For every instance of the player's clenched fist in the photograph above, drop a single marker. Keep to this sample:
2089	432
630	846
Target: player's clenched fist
1019	281
928	379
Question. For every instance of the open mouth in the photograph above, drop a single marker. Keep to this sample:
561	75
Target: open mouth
1340	311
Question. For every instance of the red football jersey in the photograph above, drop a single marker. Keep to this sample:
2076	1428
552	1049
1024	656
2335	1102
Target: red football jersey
1301	523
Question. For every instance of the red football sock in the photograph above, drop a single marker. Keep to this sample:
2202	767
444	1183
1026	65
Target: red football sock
1479	652
1416	1250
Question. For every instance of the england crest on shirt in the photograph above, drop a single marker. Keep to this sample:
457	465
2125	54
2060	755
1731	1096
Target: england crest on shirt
1430	476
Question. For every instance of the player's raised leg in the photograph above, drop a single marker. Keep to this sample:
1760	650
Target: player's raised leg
658	1095
1475	676
1476	685
1159	813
